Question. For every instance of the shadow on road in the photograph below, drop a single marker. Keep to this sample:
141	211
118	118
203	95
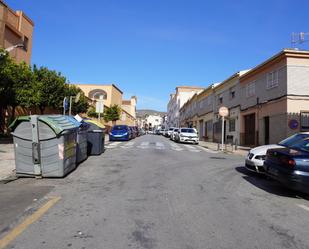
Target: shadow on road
263	182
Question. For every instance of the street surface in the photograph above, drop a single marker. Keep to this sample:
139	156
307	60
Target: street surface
153	193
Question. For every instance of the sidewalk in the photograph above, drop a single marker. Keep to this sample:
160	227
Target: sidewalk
242	151
7	161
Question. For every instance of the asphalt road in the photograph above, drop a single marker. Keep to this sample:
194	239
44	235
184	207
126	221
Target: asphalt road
152	193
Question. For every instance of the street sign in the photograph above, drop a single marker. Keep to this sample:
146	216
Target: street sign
99	107
223	111
65	105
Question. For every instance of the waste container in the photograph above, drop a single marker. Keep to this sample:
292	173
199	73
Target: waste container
81	139
96	137
45	145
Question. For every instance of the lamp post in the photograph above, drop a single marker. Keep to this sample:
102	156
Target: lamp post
9	49
20	45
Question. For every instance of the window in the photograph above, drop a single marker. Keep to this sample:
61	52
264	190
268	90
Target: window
272	79
304	121
220	99
26	42
232	123
250	89
232	93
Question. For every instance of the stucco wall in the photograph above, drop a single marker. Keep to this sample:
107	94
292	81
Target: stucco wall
261	91
298	78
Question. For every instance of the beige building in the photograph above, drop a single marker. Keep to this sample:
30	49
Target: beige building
266	104
275	98
16	28
112	95
177	100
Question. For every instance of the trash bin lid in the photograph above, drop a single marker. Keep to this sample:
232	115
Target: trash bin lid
58	123
82	125
97	123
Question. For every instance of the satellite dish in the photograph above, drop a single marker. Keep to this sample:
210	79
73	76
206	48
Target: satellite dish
77	97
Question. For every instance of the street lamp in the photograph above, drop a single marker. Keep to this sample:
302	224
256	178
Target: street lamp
20	45
9	49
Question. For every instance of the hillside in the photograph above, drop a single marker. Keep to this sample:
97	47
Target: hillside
143	112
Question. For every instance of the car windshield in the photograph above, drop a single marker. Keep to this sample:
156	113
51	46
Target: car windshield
119	128
170	129
295	139
188	130
176	129
301	144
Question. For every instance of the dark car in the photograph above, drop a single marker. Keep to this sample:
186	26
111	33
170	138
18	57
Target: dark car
134	132
119	133
290	165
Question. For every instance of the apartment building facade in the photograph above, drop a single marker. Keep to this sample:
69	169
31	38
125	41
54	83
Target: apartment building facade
275	98
177	100
266	104
112	95
16	28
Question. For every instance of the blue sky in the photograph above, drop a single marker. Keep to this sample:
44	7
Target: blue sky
148	47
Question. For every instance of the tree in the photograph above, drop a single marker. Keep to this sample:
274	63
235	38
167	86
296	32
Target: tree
112	114
82	105
50	88
15	79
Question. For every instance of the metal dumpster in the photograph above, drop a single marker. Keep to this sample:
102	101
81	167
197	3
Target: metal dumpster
96	137
81	140
44	145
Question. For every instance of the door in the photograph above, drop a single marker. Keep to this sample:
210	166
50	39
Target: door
250	129
266	130
201	126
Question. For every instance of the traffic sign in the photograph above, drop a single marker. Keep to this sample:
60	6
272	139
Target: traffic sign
223	111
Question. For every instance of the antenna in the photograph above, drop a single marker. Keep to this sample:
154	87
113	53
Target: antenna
299	38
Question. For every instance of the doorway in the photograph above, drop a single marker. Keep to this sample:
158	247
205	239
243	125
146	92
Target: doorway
250	129
201	130
266	130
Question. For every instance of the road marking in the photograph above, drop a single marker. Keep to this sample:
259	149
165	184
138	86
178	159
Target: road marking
176	147
112	145
191	148
128	145
303	206
144	145
19	229
208	150
160	146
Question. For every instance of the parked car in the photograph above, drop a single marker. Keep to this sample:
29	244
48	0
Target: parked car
164	132
141	131
172	137
187	135
290	165
256	156
120	133
157	132
169	131
134	133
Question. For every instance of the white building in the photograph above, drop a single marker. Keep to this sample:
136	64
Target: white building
177	100
154	121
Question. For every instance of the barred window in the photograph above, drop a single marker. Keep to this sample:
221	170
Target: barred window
304	121
232	124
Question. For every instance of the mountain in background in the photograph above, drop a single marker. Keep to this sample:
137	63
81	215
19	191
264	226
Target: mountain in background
143	112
